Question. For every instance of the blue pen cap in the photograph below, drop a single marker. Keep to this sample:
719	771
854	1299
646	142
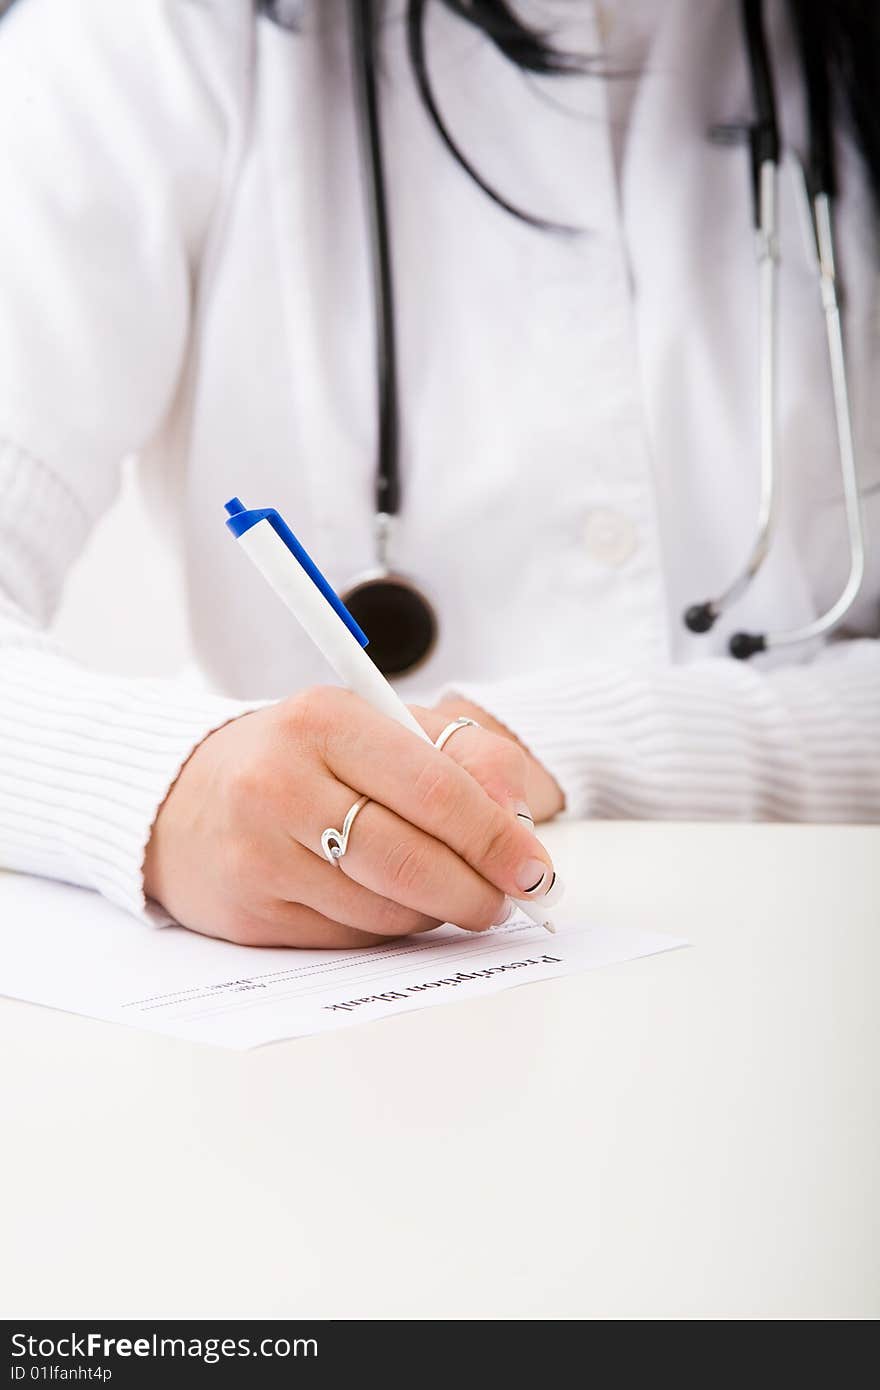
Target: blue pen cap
240	520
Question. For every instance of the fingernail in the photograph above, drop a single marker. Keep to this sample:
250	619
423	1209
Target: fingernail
506	913
555	893
521	810
531	876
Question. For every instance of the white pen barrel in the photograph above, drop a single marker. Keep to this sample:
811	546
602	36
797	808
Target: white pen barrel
330	635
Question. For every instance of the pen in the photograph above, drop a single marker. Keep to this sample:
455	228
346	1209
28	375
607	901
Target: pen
269	542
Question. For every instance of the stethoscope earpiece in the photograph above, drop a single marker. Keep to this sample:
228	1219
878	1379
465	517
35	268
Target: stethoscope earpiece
742	645
700	617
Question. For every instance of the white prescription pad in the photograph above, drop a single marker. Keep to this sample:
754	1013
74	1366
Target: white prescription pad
69	949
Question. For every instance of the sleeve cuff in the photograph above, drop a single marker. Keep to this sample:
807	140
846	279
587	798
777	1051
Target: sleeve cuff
713	740
86	762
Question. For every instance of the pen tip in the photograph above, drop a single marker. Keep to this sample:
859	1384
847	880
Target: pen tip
548	926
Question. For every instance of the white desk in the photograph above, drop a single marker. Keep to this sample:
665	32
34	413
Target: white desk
692	1135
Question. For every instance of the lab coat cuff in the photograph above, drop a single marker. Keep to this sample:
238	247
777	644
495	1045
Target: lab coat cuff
88	761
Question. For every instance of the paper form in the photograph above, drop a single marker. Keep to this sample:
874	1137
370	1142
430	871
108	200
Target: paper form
68	948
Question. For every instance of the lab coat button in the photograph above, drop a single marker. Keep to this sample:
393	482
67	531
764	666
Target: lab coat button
610	536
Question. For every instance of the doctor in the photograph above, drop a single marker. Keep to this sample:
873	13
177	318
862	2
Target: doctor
258	254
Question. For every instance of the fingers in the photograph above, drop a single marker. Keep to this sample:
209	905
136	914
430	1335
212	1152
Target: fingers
497	763
411	879
427	788
298	899
286	924
394	858
500	765
346	899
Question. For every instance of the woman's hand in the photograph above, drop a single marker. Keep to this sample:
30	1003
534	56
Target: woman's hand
235	851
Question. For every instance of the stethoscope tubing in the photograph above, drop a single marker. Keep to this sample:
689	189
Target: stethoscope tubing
767	253
819	183
843	420
372	163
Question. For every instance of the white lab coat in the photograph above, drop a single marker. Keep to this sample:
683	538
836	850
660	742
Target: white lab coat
184	273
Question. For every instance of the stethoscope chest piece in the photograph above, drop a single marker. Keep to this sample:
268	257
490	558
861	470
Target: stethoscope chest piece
399	621
394	613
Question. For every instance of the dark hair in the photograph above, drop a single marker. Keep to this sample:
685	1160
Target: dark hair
528	48
844	33
846	36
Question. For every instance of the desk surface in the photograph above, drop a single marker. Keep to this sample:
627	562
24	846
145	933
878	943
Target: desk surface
692	1135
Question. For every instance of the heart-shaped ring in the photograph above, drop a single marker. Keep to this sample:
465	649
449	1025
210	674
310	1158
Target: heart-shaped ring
334	843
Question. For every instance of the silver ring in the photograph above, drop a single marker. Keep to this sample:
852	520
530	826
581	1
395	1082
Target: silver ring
334	843
453	728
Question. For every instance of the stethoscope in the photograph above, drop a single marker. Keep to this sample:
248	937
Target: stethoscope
820	188
399	617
